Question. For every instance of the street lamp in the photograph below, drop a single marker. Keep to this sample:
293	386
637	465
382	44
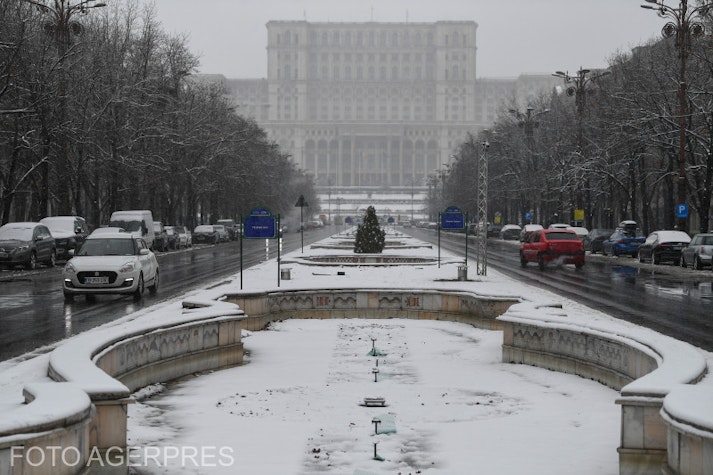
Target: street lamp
62	27
577	85
683	26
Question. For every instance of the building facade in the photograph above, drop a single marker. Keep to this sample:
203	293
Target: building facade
373	105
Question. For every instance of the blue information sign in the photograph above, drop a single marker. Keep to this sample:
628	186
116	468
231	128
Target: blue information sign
349	220
452	218
259	225
682	210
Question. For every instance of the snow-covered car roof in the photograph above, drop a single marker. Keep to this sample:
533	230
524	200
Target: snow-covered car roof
510	226
532	227
579	230
673	236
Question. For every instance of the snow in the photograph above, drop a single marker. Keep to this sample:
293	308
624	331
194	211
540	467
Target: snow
296	405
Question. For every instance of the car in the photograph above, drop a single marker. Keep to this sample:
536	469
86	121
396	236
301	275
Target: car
527	231
593	241
545	246
26	244
231	227
558	226
510	232
662	246
699	252
580	231
68	232
205	233
160	238
172	237
625	239
223	235
183	237
136	221
111	263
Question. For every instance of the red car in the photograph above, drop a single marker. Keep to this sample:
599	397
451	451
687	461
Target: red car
544	246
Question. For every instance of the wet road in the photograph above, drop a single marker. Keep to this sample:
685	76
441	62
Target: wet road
33	313
673	301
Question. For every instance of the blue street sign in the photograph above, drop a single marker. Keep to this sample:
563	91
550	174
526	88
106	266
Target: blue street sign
528	216
349	220
390	220
682	210
259	225
452	218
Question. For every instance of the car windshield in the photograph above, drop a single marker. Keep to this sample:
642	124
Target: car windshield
15	234
561	236
107	247
130	226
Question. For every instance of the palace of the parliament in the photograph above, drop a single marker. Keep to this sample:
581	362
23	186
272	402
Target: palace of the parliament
375	106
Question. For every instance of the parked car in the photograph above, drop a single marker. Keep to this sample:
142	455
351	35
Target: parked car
510	232
596	237
699	251
580	231
172	237
527	231
231	227
111	263
160	238
663	246
625	239
183	237
26	244
136	221
223	235
545	246
205	233
68	232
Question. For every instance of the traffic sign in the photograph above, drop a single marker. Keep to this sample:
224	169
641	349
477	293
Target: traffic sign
682	210
452	218
259	225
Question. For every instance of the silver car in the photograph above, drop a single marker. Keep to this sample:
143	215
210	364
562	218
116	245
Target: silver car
111	263
699	251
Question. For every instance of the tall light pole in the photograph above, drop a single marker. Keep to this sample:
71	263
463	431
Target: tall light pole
683	26
577	85
63	27
481	256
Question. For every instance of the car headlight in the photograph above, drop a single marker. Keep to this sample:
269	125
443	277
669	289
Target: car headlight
128	267
20	249
69	267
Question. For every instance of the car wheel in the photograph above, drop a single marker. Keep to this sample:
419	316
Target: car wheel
683	262
32	263
604	251
523	261
52	261
579	265
655	260
633	255
68	297
540	262
154	287
697	264
139	292
641	258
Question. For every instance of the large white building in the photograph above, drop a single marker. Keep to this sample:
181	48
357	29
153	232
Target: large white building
374	105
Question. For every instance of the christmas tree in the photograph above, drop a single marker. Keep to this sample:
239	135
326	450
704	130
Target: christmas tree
370	238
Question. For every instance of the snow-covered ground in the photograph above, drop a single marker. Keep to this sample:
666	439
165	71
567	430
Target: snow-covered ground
295	406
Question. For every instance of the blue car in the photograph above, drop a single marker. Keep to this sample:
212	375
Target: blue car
624	240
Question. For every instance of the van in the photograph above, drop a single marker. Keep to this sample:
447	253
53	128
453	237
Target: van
139	222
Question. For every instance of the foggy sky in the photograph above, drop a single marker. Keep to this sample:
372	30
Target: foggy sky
513	36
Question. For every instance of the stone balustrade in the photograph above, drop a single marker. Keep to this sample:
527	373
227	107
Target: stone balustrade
80	420
645	371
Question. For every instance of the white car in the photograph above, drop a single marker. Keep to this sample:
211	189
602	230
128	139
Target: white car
111	263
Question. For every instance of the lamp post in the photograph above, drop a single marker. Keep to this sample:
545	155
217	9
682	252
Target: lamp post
63	27
481	256
683	26
577	86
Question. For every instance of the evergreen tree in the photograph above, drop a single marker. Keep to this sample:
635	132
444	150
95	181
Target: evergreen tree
370	238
